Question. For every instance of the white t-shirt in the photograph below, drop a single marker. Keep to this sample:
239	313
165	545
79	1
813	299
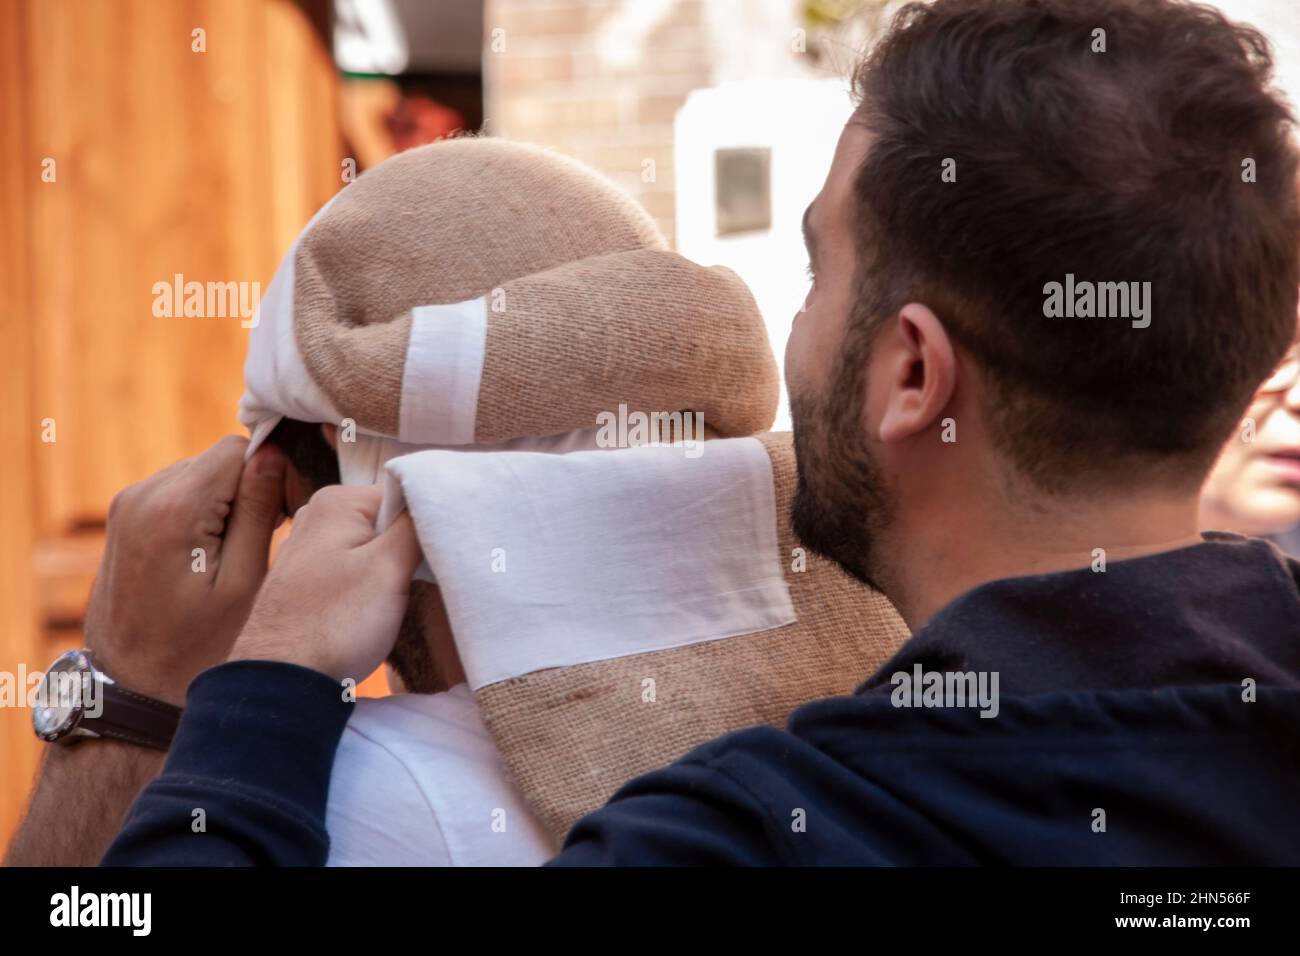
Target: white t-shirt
418	782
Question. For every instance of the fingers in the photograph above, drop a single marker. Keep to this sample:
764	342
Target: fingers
344	507
346	515
257	508
367	500
216	472
399	547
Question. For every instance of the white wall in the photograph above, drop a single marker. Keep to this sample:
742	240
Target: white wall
1279	20
800	120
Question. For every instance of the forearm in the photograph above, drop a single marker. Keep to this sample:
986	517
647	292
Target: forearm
81	797
247	778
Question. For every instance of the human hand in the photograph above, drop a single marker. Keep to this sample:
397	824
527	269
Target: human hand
185	555
335	598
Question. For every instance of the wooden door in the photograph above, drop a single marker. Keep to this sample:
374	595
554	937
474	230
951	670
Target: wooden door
132	153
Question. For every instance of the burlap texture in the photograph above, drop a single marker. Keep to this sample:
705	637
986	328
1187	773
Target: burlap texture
464	218
655	331
571	736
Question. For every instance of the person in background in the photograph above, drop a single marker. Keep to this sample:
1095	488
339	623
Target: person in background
1254	488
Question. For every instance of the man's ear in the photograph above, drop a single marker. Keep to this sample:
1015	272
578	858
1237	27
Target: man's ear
331	433
921	373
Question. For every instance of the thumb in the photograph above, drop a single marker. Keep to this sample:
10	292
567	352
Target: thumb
397	550
258	505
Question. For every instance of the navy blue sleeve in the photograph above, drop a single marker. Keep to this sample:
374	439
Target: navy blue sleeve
253	753
691	813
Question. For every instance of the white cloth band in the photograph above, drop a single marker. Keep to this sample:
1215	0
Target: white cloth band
444	365
440	381
553	560
276	383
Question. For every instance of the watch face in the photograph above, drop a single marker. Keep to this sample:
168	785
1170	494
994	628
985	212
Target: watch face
61	700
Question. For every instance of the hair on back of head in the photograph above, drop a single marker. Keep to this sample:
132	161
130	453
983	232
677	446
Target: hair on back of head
1117	166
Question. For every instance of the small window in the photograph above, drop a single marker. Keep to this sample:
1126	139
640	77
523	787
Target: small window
743	189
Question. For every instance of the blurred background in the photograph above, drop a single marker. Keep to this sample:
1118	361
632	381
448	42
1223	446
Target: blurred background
148	140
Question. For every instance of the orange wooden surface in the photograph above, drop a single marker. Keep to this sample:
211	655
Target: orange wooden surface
168	161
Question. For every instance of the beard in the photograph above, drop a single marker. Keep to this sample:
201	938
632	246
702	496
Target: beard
842	503
414	656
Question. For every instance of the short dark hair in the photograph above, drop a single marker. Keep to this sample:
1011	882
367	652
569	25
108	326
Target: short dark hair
307	451
1123	165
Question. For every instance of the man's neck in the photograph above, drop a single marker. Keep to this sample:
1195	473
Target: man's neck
937	557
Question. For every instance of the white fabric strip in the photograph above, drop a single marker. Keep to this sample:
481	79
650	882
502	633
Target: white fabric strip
276	383
552	560
444	365
361	462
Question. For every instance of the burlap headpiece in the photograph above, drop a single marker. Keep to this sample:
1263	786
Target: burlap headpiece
477	291
582	307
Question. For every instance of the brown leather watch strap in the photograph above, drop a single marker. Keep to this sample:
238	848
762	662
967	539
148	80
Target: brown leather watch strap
134	718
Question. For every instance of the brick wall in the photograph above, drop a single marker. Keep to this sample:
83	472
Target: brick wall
601	80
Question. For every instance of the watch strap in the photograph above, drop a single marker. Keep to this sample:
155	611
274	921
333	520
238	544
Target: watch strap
134	718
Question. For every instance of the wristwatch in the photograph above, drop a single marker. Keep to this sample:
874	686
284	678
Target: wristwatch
76	700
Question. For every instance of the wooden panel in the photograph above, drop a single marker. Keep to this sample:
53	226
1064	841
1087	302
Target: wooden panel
169	161
18	423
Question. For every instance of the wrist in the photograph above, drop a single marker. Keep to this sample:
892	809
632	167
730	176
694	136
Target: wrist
141	676
255	645
164	675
